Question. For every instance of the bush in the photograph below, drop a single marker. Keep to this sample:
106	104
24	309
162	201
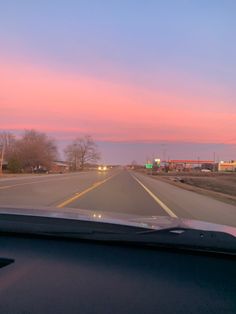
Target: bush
14	165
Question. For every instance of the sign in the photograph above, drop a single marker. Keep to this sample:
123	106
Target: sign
148	166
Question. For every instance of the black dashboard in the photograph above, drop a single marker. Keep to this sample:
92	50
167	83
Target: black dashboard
43	275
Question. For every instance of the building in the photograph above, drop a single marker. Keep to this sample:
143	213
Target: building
189	164
59	167
227	166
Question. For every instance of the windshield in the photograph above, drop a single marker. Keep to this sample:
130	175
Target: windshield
124	110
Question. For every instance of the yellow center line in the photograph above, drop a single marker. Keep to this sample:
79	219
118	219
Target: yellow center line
78	195
163	206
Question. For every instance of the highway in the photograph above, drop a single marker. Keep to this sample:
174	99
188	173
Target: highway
116	190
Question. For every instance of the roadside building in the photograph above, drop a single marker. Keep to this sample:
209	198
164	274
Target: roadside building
190	164
59	167
3	166
227	166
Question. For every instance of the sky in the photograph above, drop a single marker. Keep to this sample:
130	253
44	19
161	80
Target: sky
144	78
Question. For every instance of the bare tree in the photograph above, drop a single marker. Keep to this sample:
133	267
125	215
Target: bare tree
81	151
72	152
35	150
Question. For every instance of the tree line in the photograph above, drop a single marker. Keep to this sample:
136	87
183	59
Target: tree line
34	150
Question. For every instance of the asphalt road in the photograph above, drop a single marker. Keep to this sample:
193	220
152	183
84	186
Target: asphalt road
117	190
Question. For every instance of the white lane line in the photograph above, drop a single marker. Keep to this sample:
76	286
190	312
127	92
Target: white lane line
163	206
54	179
50	179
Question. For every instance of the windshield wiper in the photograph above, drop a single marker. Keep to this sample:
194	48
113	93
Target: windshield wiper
175	237
178	238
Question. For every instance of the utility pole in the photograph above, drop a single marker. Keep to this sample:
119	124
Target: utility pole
163	151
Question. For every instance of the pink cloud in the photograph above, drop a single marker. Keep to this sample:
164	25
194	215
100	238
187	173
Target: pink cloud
64	103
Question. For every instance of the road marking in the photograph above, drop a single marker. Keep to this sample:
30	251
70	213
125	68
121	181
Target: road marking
27	183
50	179
163	206
5	187
79	194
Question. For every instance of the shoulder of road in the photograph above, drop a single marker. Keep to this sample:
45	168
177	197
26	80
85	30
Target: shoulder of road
207	190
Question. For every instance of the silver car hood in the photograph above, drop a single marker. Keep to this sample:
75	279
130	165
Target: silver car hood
151	222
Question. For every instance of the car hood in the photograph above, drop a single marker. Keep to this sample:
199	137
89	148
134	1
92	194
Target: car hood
150	222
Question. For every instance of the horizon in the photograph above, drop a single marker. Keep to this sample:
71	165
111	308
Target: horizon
141	152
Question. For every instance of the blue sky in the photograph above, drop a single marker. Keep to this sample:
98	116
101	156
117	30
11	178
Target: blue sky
195	36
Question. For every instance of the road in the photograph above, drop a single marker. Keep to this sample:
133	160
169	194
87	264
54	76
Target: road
117	190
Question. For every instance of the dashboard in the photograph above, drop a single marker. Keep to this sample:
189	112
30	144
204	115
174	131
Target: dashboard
48	275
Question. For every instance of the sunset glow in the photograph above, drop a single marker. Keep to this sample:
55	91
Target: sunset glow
40	98
169	78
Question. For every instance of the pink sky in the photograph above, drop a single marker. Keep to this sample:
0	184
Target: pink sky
69	104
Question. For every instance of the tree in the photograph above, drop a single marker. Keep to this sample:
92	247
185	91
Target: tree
7	145
14	164
35	150
81	151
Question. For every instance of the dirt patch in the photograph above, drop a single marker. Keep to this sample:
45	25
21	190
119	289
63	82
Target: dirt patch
222	184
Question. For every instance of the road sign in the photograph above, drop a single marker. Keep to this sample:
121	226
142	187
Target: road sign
148	166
